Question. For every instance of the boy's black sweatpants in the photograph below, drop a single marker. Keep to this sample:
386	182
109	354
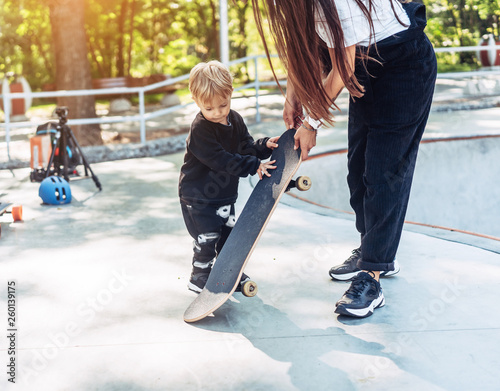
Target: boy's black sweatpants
209	226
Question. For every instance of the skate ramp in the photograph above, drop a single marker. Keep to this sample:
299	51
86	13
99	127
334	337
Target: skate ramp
455	187
101	286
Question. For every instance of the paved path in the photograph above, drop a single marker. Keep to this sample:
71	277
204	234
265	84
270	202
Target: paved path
101	289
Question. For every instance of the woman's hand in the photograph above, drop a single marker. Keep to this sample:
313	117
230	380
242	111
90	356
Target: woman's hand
264	167
306	140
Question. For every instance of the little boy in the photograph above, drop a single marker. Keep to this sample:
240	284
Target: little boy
219	150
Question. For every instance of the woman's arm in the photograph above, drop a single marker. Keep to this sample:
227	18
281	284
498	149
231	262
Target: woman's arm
333	82
306	139
292	108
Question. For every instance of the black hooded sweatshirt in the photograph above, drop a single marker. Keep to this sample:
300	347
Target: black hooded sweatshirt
216	157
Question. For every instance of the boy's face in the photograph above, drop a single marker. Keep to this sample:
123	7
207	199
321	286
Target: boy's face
217	110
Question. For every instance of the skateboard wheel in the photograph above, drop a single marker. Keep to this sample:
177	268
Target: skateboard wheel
249	289
303	183
17	213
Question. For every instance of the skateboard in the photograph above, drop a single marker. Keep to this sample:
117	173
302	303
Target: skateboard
15	210
228	268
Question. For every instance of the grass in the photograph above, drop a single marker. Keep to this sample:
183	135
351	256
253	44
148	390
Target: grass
445	68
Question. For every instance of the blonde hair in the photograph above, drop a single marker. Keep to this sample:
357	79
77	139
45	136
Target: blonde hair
208	80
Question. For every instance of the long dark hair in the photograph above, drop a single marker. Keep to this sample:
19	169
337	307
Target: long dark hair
301	51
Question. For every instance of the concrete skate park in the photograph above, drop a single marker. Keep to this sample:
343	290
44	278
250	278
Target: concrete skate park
100	283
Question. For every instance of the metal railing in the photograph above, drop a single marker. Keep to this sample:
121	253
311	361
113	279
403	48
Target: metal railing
142	117
461	49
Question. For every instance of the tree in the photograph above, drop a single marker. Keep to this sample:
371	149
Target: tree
460	23
25	42
239	41
72	64
489	12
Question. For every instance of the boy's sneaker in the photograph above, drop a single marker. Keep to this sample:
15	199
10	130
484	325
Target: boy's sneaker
348	270
198	279
362	297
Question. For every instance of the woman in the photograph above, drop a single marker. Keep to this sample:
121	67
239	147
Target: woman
377	50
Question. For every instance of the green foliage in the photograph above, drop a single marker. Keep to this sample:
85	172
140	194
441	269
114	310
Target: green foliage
460	23
125	37
25	41
144	37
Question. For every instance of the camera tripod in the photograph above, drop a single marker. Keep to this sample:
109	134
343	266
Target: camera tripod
63	162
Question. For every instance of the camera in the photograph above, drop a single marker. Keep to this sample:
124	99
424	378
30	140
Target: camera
62	113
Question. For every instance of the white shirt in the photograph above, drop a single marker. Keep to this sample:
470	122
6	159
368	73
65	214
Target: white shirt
355	26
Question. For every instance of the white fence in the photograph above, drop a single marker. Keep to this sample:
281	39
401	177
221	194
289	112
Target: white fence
142	117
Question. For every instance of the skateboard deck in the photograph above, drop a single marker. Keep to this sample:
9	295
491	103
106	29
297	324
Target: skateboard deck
228	268
15	210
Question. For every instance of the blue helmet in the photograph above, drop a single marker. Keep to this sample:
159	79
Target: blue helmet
55	190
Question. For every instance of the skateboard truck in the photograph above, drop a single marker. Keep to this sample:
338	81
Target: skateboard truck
302	183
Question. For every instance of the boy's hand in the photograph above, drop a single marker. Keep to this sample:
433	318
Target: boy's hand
262	170
271	143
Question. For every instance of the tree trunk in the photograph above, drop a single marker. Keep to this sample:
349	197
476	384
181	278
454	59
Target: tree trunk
131	37
242	48
73	66
120	60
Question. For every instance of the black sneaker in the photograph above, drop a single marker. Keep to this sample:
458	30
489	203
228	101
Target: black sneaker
198	279
244	278
362	297
392	272
348	270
